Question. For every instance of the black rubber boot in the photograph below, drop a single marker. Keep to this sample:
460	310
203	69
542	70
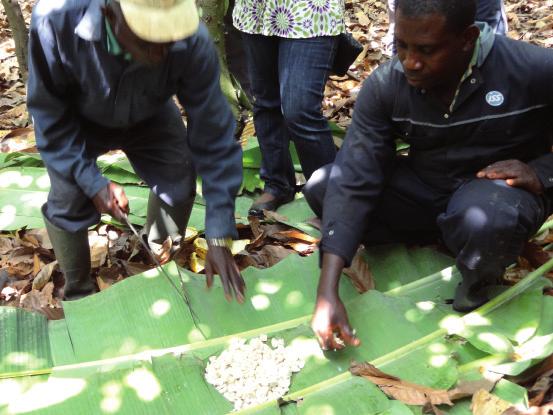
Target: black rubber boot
73	255
164	221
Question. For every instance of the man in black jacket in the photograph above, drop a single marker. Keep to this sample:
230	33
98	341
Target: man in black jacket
476	109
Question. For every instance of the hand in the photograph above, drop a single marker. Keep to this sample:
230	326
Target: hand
219	260
330	322
515	173
112	199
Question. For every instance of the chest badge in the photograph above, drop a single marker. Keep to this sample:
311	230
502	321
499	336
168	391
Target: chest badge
495	98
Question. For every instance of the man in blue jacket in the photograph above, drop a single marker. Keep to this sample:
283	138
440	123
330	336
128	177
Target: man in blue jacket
102	75
476	109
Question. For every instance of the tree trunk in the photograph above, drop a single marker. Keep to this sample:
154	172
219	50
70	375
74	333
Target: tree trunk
213	14
19	33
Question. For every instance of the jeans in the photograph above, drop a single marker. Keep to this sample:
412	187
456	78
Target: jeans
288	78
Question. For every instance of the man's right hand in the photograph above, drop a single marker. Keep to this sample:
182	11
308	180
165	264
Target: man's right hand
331	325
330	320
112	199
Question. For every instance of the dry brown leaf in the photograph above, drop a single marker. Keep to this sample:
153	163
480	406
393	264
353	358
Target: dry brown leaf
44	275
484	403
468	388
21	265
359	272
40	236
98	249
406	392
270	215
296	234
37	265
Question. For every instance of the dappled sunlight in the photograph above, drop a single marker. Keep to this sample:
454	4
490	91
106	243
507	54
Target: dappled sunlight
524	334
13	178
438	348
268	287
447	274
10	390
439	360
294	299
24	360
323	409
42	395
43	182
144	383
160	308
34	199
260	302
535	347
497	342
308	348
7	215
111	400
151	273
129	346
476	320
196	335
426	305
453	324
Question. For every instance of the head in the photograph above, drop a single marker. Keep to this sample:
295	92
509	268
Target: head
435	40
147	28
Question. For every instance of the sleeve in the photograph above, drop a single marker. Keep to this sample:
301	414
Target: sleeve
57	129
217	155
543	166
359	173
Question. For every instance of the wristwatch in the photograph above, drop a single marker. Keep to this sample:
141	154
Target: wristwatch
225	242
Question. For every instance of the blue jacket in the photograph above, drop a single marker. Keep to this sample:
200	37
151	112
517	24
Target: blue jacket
72	78
504	110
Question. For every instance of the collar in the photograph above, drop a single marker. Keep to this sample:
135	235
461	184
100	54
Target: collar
112	44
90	26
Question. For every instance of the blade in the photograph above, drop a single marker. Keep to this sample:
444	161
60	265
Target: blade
182	292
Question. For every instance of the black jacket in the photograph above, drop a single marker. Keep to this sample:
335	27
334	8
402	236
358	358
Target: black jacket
504	110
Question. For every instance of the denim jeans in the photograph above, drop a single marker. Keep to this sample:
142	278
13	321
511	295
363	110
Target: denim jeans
288	78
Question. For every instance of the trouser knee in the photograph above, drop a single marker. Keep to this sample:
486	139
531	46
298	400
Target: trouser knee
315	189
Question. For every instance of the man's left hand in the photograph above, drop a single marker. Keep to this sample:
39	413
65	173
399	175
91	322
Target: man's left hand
219	260
515	173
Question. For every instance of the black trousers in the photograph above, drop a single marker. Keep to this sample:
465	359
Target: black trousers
157	150
485	223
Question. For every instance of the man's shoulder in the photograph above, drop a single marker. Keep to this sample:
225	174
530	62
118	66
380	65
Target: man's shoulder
54	9
520	51
199	38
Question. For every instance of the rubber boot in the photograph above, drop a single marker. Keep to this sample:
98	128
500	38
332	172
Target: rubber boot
73	255
475	290
163	221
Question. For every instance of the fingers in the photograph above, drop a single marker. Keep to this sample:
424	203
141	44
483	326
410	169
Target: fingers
208	275
237	282
348	336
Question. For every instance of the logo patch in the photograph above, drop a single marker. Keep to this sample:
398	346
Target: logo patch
495	98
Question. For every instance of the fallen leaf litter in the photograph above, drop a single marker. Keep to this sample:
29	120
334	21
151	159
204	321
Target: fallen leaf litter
254	372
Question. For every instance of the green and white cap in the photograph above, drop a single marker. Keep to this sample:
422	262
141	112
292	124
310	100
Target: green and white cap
161	20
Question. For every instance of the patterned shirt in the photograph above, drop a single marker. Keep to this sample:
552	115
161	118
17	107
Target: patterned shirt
294	19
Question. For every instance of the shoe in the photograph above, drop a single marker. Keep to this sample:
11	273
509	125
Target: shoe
273	204
469	298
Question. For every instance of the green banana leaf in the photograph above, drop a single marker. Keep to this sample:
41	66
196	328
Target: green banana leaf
135	348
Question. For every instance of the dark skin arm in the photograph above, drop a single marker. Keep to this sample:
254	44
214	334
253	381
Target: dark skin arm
330	319
515	173
219	260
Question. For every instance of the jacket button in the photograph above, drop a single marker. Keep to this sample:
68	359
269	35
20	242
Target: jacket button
331	232
446	116
473	81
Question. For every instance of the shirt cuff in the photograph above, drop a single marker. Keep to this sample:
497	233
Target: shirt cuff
340	239
543	166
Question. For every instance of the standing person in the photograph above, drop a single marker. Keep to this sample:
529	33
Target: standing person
479	173
290	48
102	75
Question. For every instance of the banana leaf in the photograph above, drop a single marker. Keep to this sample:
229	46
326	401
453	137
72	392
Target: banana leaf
135	348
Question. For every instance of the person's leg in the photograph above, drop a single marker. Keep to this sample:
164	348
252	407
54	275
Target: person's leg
493	13
158	150
486	225
68	213
406	211
304	66
277	170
